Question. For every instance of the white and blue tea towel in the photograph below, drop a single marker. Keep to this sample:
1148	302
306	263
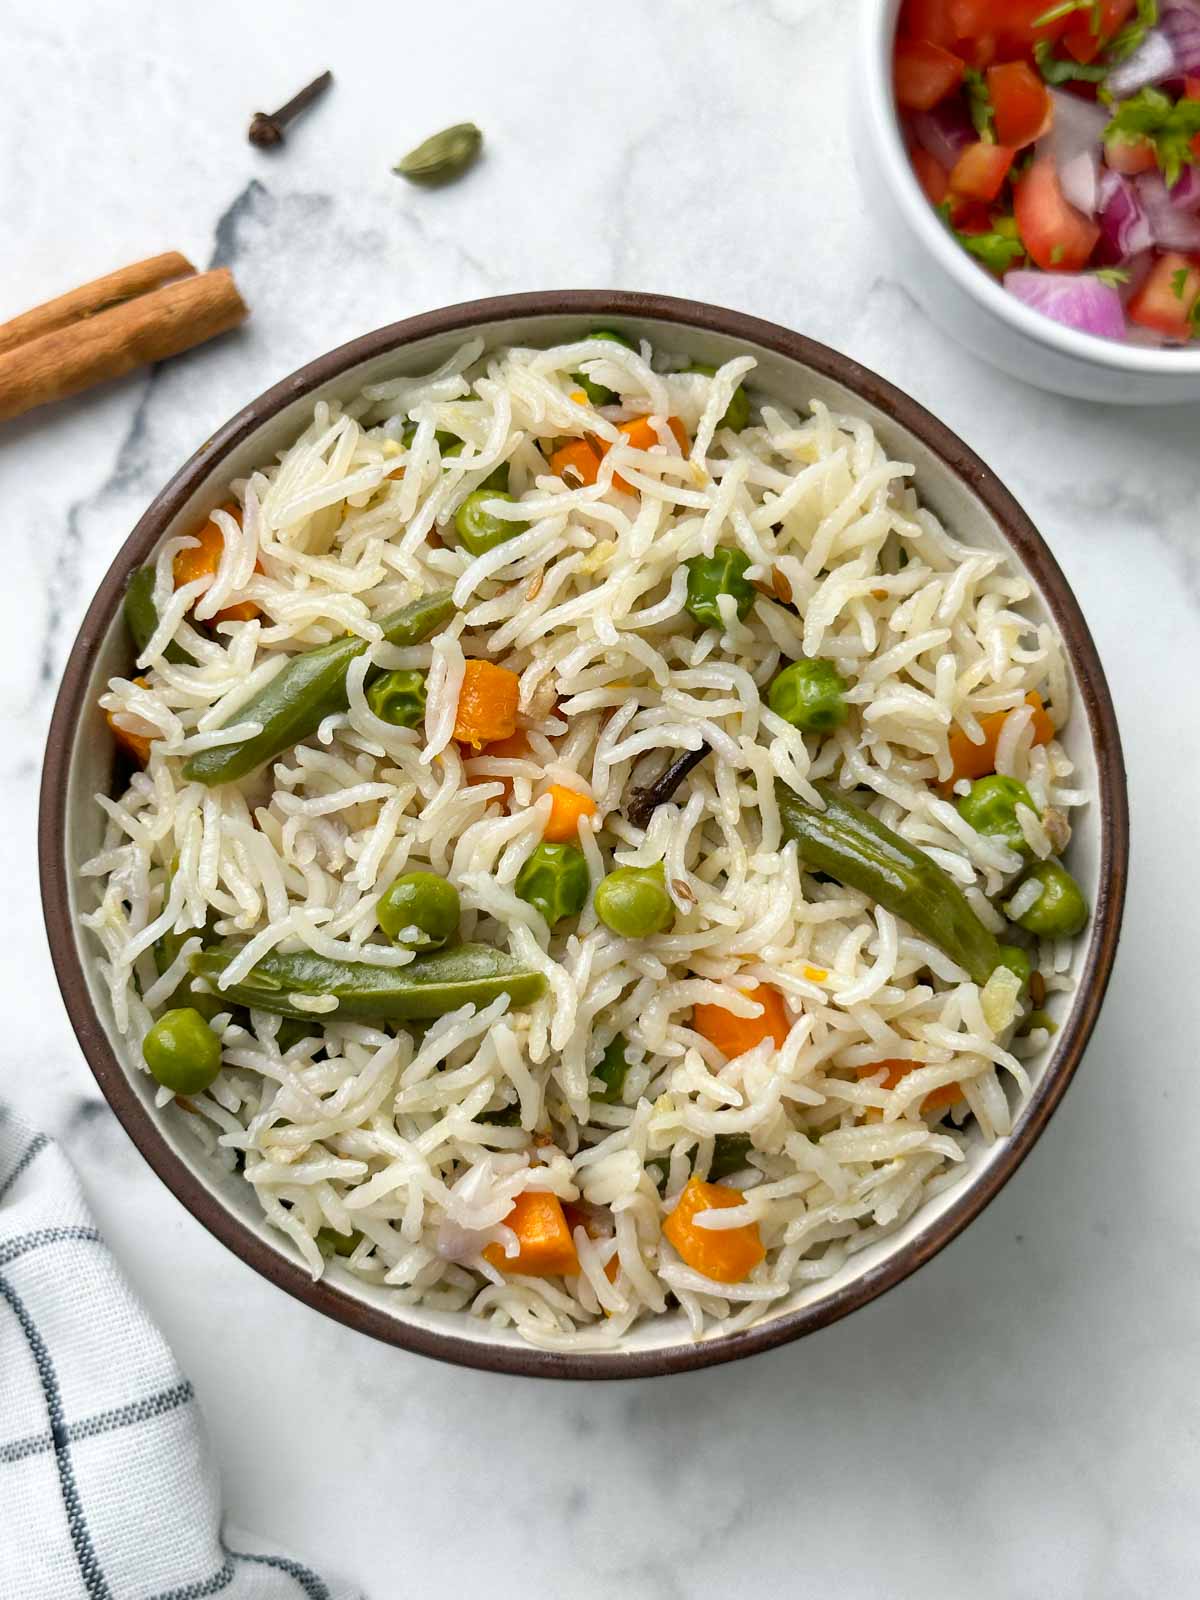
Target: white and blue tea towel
108	1490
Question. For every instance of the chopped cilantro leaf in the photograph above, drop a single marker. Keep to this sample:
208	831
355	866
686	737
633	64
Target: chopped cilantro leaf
1131	35
1179	282
999	249
1057	254
1112	276
979	103
1170	125
1056	71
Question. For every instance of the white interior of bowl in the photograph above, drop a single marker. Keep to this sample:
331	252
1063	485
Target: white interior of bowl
91	762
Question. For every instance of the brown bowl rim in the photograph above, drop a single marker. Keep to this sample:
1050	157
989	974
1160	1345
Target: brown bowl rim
1096	703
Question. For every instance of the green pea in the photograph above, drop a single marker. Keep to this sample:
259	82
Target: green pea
421	900
448	443
633	901
737	412
331	1242
1060	911
478	530
398	698
596	392
1018	961
613	1070
724	572
991	809
810	695
1040	1019
729	1155
554	881
182	1051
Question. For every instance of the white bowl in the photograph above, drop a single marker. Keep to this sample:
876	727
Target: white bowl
957	292
79	761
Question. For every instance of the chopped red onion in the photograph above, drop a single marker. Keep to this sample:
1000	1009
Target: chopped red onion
1124	226
1077	300
1074	142
1185	194
1173	228
945	131
1153	61
1181	25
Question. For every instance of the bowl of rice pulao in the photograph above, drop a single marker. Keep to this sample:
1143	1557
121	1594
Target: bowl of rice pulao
584	835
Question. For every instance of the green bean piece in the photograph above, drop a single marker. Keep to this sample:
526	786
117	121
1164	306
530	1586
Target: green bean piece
612	1071
398	698
331	1242
182	1051
141	616
291	1030
724	572
431	985
1060	911
991	809
737	412
1019	961
554	881
478	530
857	850
424	901
165	952
311	687
811	695
634	903
729	1155
1040	1019
597	393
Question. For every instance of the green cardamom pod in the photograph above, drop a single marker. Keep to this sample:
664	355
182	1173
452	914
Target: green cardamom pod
443	156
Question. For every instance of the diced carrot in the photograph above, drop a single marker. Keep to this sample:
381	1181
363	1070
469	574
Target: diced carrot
733	1036
642	435
202	561
566	808
547	1248
726	1255
977	760
578	458
514	748
931	175
924	74
936	1100
135	745
487	704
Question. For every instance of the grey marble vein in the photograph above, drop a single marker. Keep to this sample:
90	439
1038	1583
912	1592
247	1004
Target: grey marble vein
1020	1419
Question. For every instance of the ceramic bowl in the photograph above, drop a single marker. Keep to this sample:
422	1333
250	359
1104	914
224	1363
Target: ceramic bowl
79	762
957	292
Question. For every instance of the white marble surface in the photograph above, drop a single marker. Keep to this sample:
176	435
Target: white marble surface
1021	1418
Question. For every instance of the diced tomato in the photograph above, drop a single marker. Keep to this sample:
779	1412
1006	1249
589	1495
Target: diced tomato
1024	109
925	74
927	19
1158	304
980	171
970	216
1011	22
931	175
1084	41
1130	156
1058	237
1191	88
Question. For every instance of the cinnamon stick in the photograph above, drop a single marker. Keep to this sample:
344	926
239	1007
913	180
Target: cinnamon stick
109	344
98	295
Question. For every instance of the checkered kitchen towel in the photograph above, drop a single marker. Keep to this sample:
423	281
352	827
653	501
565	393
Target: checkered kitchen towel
107	1487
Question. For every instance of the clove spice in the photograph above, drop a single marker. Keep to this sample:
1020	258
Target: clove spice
643	803
266	127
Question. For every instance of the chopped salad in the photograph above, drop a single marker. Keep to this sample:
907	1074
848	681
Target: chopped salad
1061	145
